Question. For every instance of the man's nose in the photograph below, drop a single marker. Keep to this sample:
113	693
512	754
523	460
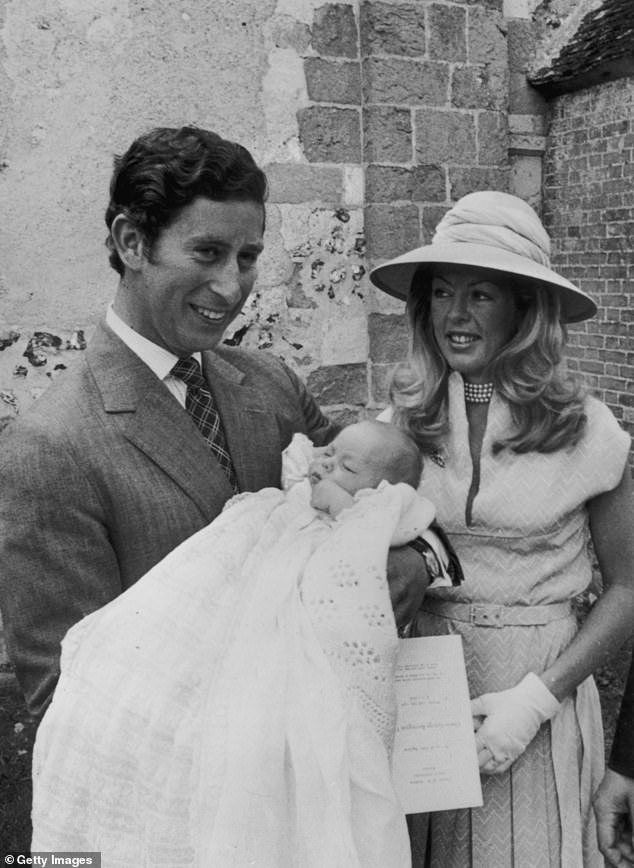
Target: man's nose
227	282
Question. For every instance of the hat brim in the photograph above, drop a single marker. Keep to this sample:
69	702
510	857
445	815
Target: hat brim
395	277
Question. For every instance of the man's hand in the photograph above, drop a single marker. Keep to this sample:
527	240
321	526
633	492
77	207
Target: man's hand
614	809
408	578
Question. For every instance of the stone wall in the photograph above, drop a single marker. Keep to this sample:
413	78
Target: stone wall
370	118
589	212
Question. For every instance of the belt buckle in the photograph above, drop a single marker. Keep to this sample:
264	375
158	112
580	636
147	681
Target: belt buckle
486	616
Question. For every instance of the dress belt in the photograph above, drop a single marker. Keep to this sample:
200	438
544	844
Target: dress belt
491	615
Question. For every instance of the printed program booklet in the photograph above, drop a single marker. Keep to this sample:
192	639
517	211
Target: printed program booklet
435	764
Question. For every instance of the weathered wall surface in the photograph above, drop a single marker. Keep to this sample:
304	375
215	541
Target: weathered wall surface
589	212
369	117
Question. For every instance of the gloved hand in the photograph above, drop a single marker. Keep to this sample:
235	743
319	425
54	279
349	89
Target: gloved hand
506	722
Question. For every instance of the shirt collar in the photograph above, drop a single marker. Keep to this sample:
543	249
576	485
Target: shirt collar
158	359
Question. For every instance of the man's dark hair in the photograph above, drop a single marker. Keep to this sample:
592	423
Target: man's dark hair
167	168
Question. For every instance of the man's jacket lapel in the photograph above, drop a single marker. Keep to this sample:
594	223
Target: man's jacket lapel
153	420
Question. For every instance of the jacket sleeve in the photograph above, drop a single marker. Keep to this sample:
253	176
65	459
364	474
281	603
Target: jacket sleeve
318	427
58	564
622	756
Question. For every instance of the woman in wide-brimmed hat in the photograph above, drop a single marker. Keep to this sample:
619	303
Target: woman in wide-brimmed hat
524	467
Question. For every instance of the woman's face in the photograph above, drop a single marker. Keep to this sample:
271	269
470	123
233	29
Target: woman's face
473	317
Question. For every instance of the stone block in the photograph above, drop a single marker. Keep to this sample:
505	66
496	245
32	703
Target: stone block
339	384
517	9
463	181
293	183
486	37
329	81
391	230
526	179
392	29
283	31
445	137
480	87
394	80
526	145
493	139
521	44
380	379
387	134
334	31
523	97
432	215
330	135
389	338
447	33
392	183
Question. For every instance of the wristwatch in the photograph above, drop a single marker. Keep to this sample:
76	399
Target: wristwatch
438	567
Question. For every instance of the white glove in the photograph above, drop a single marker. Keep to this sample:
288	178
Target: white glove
506	722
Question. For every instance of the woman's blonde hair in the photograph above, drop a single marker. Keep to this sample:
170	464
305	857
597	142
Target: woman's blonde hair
546	402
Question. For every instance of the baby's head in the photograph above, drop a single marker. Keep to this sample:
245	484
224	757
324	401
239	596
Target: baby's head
365	453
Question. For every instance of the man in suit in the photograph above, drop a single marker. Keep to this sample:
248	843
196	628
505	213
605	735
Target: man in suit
614	800
142	442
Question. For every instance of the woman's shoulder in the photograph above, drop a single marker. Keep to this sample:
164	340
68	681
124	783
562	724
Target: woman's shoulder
601	420
605	443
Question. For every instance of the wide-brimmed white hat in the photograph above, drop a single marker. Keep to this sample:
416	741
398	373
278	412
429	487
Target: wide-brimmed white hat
491	230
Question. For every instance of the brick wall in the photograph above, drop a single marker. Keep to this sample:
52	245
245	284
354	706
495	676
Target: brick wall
589	212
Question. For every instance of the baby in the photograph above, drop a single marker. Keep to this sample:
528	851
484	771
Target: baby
361	456
236	705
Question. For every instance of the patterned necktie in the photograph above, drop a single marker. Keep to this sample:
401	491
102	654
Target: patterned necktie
200	406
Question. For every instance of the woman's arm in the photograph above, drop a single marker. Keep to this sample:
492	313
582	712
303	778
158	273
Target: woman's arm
507	721
611	620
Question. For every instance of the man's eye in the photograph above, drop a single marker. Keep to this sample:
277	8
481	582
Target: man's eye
248	260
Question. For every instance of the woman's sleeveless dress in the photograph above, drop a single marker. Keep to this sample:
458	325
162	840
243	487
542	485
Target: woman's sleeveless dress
526	545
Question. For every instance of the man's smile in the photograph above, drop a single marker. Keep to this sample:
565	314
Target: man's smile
208	314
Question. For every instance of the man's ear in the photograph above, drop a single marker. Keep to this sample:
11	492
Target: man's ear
128	241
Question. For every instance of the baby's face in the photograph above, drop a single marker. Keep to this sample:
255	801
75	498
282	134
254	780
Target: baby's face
353	460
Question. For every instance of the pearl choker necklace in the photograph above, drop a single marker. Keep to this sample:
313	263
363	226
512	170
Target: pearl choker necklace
478	393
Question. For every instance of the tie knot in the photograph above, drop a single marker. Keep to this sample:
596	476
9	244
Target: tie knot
188	370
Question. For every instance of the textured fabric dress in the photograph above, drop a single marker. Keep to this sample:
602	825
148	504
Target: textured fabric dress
525	545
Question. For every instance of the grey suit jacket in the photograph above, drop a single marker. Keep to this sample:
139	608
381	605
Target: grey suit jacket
107	473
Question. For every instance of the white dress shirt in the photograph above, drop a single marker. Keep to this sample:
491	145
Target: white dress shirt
158	359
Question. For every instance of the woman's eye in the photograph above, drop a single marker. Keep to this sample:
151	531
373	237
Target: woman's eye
439	292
